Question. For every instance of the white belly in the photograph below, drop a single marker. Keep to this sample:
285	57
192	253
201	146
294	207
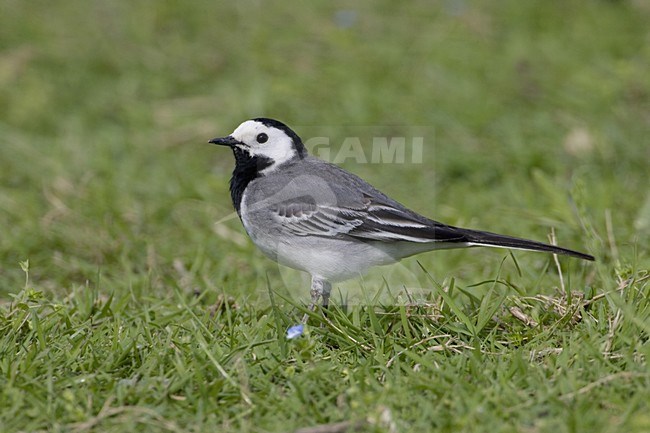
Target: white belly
330	260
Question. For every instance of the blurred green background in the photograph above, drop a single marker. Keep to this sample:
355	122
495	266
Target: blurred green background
537	117
106	108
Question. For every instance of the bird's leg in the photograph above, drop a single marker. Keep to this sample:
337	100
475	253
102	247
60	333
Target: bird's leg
319	288
327	289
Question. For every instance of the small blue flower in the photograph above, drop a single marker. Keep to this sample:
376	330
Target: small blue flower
295	331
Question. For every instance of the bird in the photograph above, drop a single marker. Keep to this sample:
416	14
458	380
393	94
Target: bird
314	216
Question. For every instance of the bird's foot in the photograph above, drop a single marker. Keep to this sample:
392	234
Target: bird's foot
319	289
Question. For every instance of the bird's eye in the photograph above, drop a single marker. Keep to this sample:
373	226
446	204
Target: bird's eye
262	138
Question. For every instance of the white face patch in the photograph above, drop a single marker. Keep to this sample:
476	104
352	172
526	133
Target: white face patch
261	140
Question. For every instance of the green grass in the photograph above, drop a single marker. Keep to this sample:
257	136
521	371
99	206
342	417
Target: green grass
123	308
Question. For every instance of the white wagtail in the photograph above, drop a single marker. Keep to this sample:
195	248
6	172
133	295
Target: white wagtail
314	216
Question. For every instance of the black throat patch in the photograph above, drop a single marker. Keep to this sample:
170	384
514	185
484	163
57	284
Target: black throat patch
247	168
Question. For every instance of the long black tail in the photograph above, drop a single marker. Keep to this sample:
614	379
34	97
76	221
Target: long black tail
480	238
